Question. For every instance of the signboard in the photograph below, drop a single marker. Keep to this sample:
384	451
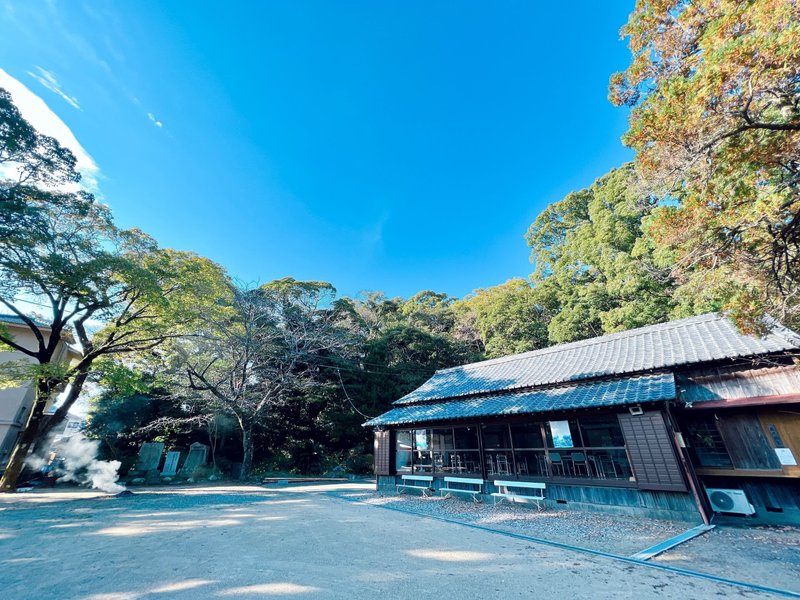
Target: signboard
786	457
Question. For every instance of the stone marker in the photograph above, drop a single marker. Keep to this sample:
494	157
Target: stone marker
171	464
149	456
198	453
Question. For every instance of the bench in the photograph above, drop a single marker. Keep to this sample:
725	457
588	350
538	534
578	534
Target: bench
424	483
536	496
475	489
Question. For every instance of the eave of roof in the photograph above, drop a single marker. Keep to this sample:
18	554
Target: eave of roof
593	394
16	320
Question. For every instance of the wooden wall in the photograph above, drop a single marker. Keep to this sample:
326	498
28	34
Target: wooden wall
384	457
649	445
738	381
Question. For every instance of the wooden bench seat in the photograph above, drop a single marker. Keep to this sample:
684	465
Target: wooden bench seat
475	489
529	491
424	483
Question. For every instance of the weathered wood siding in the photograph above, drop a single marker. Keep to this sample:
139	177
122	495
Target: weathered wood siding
777	501
652	455
786	424
746	443
733	382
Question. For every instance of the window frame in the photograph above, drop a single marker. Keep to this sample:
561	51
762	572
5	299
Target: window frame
546	449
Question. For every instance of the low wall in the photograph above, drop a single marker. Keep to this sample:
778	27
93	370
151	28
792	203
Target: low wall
776	500
674	506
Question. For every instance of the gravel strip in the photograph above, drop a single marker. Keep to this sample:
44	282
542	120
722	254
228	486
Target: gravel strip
598	531
766	555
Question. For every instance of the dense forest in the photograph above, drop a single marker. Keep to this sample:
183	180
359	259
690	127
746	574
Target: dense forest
279	377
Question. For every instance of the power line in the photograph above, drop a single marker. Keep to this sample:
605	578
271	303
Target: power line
346	395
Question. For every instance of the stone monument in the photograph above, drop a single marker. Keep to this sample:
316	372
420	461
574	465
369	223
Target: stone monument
198	454
149	456
171	464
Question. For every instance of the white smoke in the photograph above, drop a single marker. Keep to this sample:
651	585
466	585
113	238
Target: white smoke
77	461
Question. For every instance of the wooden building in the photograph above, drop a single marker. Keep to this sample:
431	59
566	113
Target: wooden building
689	419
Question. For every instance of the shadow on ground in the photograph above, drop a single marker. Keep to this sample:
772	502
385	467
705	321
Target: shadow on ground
249	541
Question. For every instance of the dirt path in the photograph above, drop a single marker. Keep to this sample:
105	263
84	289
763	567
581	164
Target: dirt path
253	542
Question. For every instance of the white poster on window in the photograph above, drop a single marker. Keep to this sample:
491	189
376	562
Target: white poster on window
786	457
562	437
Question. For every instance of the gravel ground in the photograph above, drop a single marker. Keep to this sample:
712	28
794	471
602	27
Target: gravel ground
767	556
598	531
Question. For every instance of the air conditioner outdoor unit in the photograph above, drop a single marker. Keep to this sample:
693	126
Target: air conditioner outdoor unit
730	501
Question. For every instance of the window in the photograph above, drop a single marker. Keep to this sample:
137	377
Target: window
728	441
497	449
466	457
601	432
403	452
422	459
705	442
587	448
530	458
563	434
445	451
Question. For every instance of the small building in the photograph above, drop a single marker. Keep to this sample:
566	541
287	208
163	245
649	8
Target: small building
682	420
16	402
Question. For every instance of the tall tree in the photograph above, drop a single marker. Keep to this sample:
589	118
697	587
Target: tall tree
61	249
507	318
714	91
595	270
266	350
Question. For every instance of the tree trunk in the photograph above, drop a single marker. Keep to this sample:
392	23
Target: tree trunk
247	446
49	422
75	389
30	434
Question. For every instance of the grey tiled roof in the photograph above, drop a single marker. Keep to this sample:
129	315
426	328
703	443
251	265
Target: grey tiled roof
686	341
611	392
16	320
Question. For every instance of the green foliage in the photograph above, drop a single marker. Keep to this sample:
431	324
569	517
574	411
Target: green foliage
508	318
715	121
595	268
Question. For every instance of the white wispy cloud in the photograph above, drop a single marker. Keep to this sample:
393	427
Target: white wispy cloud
42	117
48	80
155	121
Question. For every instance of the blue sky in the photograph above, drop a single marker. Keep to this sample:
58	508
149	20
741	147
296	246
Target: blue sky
394	146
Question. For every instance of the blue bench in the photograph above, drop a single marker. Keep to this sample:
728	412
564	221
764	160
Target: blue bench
476	486
424	483
529	491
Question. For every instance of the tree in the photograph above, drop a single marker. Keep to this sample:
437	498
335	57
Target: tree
508	318
266	350
30	164
595	270
431	311
89	272
715	121
61	249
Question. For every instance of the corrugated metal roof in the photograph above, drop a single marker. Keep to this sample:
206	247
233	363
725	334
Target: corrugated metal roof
613	392
686	341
